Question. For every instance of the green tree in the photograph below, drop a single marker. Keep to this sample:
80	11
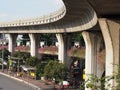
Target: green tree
40	69
25	38
5	53
23	55
78	37
49	39
55	70
118	80
48	71
32	61
95	83
61	71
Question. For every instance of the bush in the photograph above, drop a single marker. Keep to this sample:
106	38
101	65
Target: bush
96	83
32	61
55	70
118	80
22	55
5	53
40	69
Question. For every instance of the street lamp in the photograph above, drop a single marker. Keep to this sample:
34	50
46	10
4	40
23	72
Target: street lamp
2	59
2	53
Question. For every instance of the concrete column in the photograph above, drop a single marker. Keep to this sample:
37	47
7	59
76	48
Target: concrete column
91	42
35	39
12	42
100	59
111	33
64	44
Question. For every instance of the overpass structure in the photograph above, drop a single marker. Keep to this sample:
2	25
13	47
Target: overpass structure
98	20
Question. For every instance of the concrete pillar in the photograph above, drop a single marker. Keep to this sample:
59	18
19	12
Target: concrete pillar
64	44
35	39
92	45
100	58
12	42
111	33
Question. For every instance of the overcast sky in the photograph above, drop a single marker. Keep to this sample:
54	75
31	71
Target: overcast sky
18	9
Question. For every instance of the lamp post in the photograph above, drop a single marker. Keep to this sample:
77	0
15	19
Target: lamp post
2	59
2	53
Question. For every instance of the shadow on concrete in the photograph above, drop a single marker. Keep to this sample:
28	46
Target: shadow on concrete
1	88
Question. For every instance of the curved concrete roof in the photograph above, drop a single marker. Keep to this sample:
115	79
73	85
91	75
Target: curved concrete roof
76	15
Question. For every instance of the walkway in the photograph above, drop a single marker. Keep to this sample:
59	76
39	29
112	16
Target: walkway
37	84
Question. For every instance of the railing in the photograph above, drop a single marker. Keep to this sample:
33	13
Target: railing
37	20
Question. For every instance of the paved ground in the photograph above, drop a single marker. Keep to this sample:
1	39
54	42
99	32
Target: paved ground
11	84
36	84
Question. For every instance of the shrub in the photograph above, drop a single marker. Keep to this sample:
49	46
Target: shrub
5	53
96	83
55	70
40	69
32	61
118	80
22	55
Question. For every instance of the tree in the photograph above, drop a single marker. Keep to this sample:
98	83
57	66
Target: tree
61	71
78	37
118	80
49	38
5	53
40	69
95	83
56	70
32	61
48	71
23	55
25	38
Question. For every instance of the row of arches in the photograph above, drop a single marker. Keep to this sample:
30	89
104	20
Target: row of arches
107	37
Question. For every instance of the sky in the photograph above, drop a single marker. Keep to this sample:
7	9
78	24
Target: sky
20	9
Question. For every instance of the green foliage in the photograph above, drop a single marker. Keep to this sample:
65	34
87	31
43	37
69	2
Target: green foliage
5	53
32	61
96	83
49	38
118	80
82	85
25	38
40	69
92	82
78	37
23	55
61	71
55	70
49	70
